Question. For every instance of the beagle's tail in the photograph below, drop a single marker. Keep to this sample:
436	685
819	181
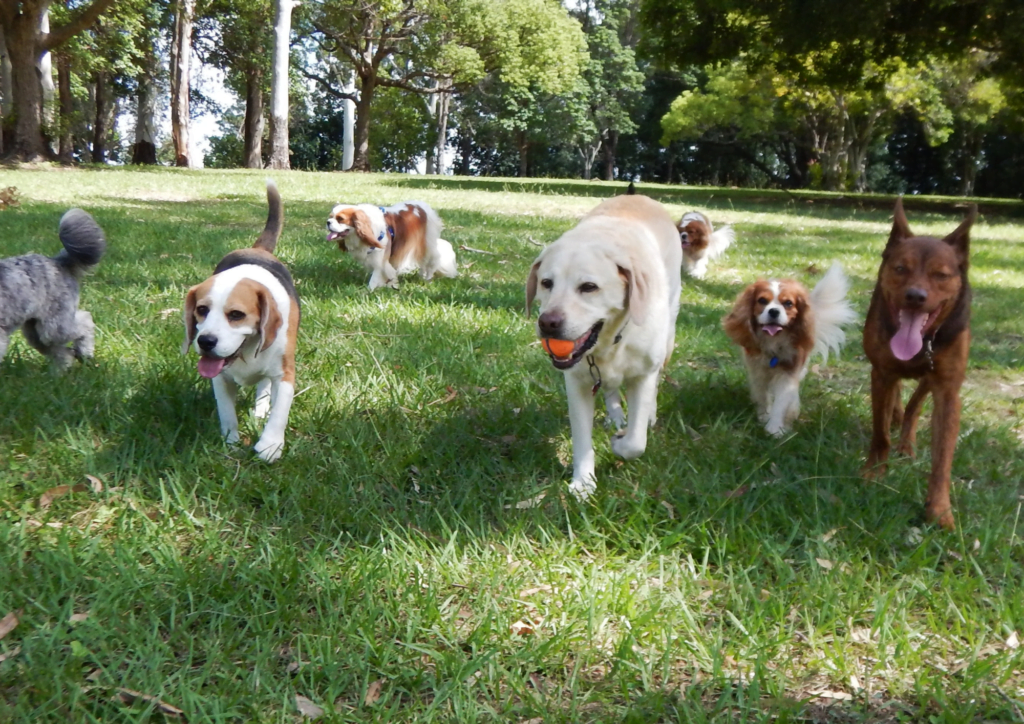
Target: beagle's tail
83	240
831	311
275	220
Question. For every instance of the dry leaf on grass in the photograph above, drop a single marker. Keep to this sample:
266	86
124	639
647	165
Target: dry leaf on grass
528	503
737	492
526	593
373	692
670	509
825	563
307	708
836	695
47	498
10	654
828	536
452	394
78	617
1013	642
522	628
535	720
9	622
128	696
862	636
95	483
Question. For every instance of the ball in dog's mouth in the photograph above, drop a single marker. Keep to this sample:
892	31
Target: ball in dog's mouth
565	353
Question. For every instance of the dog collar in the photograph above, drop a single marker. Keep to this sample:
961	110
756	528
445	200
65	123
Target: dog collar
391	229
773	362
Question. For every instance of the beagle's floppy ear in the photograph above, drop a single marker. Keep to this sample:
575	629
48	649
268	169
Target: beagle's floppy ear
190	320
531	286
900	227
270	319
637	294
361	223
737	323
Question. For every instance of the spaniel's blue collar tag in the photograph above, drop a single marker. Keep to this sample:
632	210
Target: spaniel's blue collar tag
774	362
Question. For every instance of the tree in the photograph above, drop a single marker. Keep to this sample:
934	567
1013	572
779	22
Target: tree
181	51
279	85
21	21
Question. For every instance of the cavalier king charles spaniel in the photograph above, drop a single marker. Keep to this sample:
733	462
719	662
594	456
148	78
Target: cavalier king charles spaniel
392	241
701	243
780	326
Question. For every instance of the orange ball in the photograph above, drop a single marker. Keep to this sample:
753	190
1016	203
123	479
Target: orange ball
559	347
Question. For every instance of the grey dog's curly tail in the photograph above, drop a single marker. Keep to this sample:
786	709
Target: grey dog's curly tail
83	240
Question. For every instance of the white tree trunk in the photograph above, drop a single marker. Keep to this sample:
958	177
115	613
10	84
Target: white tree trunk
348	142
443	105
279	85
144	151
45	66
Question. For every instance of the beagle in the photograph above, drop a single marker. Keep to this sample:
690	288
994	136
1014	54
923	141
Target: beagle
243	322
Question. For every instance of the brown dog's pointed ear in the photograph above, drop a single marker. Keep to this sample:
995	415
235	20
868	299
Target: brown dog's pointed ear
900	227
531	286
270	319
960	239
361	223
636	294
189	319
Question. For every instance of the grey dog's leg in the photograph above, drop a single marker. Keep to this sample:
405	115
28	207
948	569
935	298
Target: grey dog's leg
5	339
85	342
49	340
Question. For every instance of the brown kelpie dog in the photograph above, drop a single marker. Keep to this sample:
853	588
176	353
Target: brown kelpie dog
918	326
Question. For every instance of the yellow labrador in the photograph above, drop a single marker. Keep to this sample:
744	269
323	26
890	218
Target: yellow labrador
608	292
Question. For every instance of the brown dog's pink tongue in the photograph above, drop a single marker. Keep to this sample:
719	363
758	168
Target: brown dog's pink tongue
210	367
908	339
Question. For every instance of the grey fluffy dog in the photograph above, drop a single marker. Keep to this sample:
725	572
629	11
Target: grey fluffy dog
40	293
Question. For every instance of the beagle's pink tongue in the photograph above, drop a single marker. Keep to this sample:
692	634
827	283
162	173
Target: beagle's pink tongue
908	339
210	367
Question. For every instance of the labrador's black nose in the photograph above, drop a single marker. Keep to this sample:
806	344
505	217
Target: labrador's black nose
207	342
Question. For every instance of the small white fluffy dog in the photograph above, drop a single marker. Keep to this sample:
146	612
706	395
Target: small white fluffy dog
780	327
393	241
608	292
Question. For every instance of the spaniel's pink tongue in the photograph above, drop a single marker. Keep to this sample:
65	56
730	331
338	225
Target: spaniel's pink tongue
210	367
771	329
908	339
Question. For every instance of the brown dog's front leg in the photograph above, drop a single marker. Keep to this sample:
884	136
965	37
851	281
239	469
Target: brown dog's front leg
908	433
945	429
884	396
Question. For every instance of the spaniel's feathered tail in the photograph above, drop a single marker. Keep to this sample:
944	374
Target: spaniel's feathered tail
831	311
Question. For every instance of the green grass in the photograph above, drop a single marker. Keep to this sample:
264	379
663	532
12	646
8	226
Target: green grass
723	576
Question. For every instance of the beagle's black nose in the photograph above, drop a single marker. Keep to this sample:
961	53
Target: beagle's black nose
206	342
550	323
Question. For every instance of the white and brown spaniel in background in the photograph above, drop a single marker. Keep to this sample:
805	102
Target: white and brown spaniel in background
392	241
780	326
701	243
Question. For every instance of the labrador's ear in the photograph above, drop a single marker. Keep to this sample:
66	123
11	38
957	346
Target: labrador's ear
531	286
738	324
960	239
270	319
190	320
361	223
900	226
637	294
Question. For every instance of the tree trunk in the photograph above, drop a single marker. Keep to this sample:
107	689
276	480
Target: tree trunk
253	134
279	156
181	51
367	88
5	90
99	126
609	145
432	148
523	144
348	147
66	148
444	105
21	37
45	66
465	150
144	150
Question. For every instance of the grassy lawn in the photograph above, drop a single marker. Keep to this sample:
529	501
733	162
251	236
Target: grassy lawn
413	556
